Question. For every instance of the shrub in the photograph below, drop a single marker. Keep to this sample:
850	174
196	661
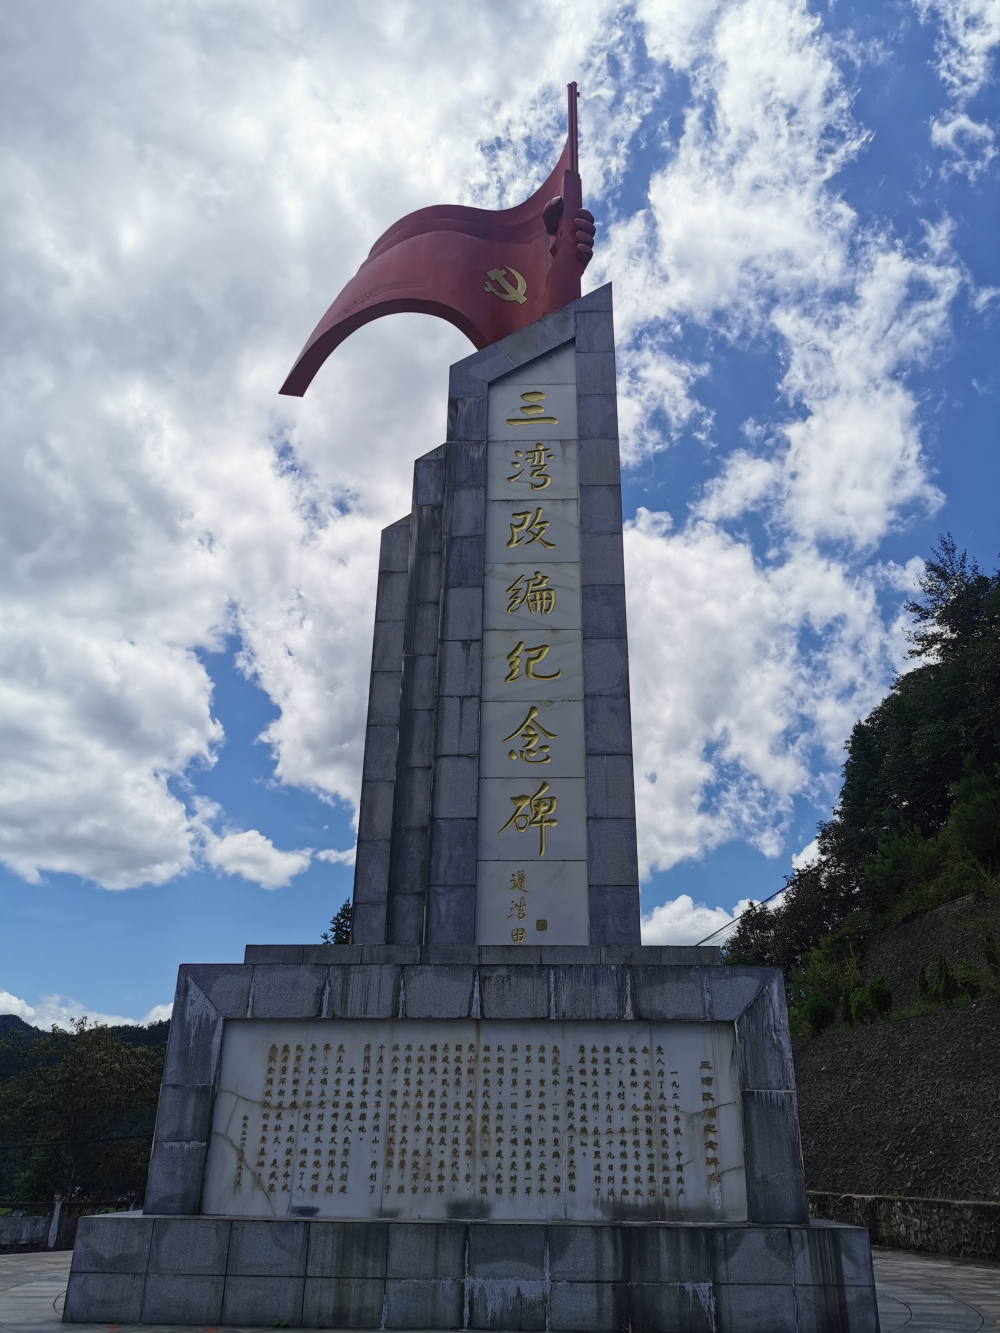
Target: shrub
968	980
945	986
923	985
862	1009
820	1013
880	996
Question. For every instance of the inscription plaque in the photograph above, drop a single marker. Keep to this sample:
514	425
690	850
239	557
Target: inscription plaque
531	881
489	1119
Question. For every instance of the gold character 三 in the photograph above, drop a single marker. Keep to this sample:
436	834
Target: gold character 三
532	408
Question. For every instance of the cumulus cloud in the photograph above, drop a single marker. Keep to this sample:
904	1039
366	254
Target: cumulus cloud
256	858
808	856
185	196
748	667
62	1011
683	921
183	199
730	710
345	858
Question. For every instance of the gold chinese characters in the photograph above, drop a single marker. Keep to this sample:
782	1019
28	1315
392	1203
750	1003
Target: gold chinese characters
528	733
531	411
537	461
534	656
524	525
533	812
532	591
518	905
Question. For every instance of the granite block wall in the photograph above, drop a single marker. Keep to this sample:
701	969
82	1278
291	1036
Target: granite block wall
587	1278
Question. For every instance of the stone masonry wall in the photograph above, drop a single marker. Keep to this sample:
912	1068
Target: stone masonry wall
909	1107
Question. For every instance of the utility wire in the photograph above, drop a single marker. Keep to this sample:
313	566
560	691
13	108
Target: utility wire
762	902
863	833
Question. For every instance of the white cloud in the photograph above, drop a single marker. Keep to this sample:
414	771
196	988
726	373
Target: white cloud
682	921
808	856
345	858
160	1013
61	1010
256	858
747	673
184	197
969	32
970	29
969	141
730	713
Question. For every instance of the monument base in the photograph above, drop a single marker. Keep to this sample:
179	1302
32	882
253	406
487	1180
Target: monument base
667	1277
491	1137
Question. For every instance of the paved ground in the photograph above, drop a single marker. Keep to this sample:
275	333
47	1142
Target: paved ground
926	1293
920	1293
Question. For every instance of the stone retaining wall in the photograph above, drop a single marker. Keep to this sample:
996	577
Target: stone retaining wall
904	1109
962	1228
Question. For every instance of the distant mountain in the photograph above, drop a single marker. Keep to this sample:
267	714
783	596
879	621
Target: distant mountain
10	1023
131	1035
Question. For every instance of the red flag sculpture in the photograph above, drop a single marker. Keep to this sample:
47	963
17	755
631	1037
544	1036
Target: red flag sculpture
488	273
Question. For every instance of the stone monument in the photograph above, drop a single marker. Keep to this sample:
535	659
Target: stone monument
494	1109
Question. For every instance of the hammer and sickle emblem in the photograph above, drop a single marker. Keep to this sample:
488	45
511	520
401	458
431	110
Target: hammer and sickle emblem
509	293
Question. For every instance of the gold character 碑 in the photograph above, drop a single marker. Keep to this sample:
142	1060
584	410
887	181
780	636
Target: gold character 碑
533	811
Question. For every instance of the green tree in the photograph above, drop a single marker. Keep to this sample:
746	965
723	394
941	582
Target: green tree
84	1104
917	821
340	927
820	1013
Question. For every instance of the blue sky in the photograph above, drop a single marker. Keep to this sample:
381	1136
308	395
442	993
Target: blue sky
797	206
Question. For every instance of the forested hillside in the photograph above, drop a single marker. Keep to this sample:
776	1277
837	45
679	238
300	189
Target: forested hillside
918	819
77	1110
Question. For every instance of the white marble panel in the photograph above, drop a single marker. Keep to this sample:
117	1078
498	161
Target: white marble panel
458	1118
532	471
510	655
545	738
528	902
534	532
558	367
531	410
531	598
514	813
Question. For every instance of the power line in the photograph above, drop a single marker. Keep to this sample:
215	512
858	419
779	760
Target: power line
762	902
862	833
